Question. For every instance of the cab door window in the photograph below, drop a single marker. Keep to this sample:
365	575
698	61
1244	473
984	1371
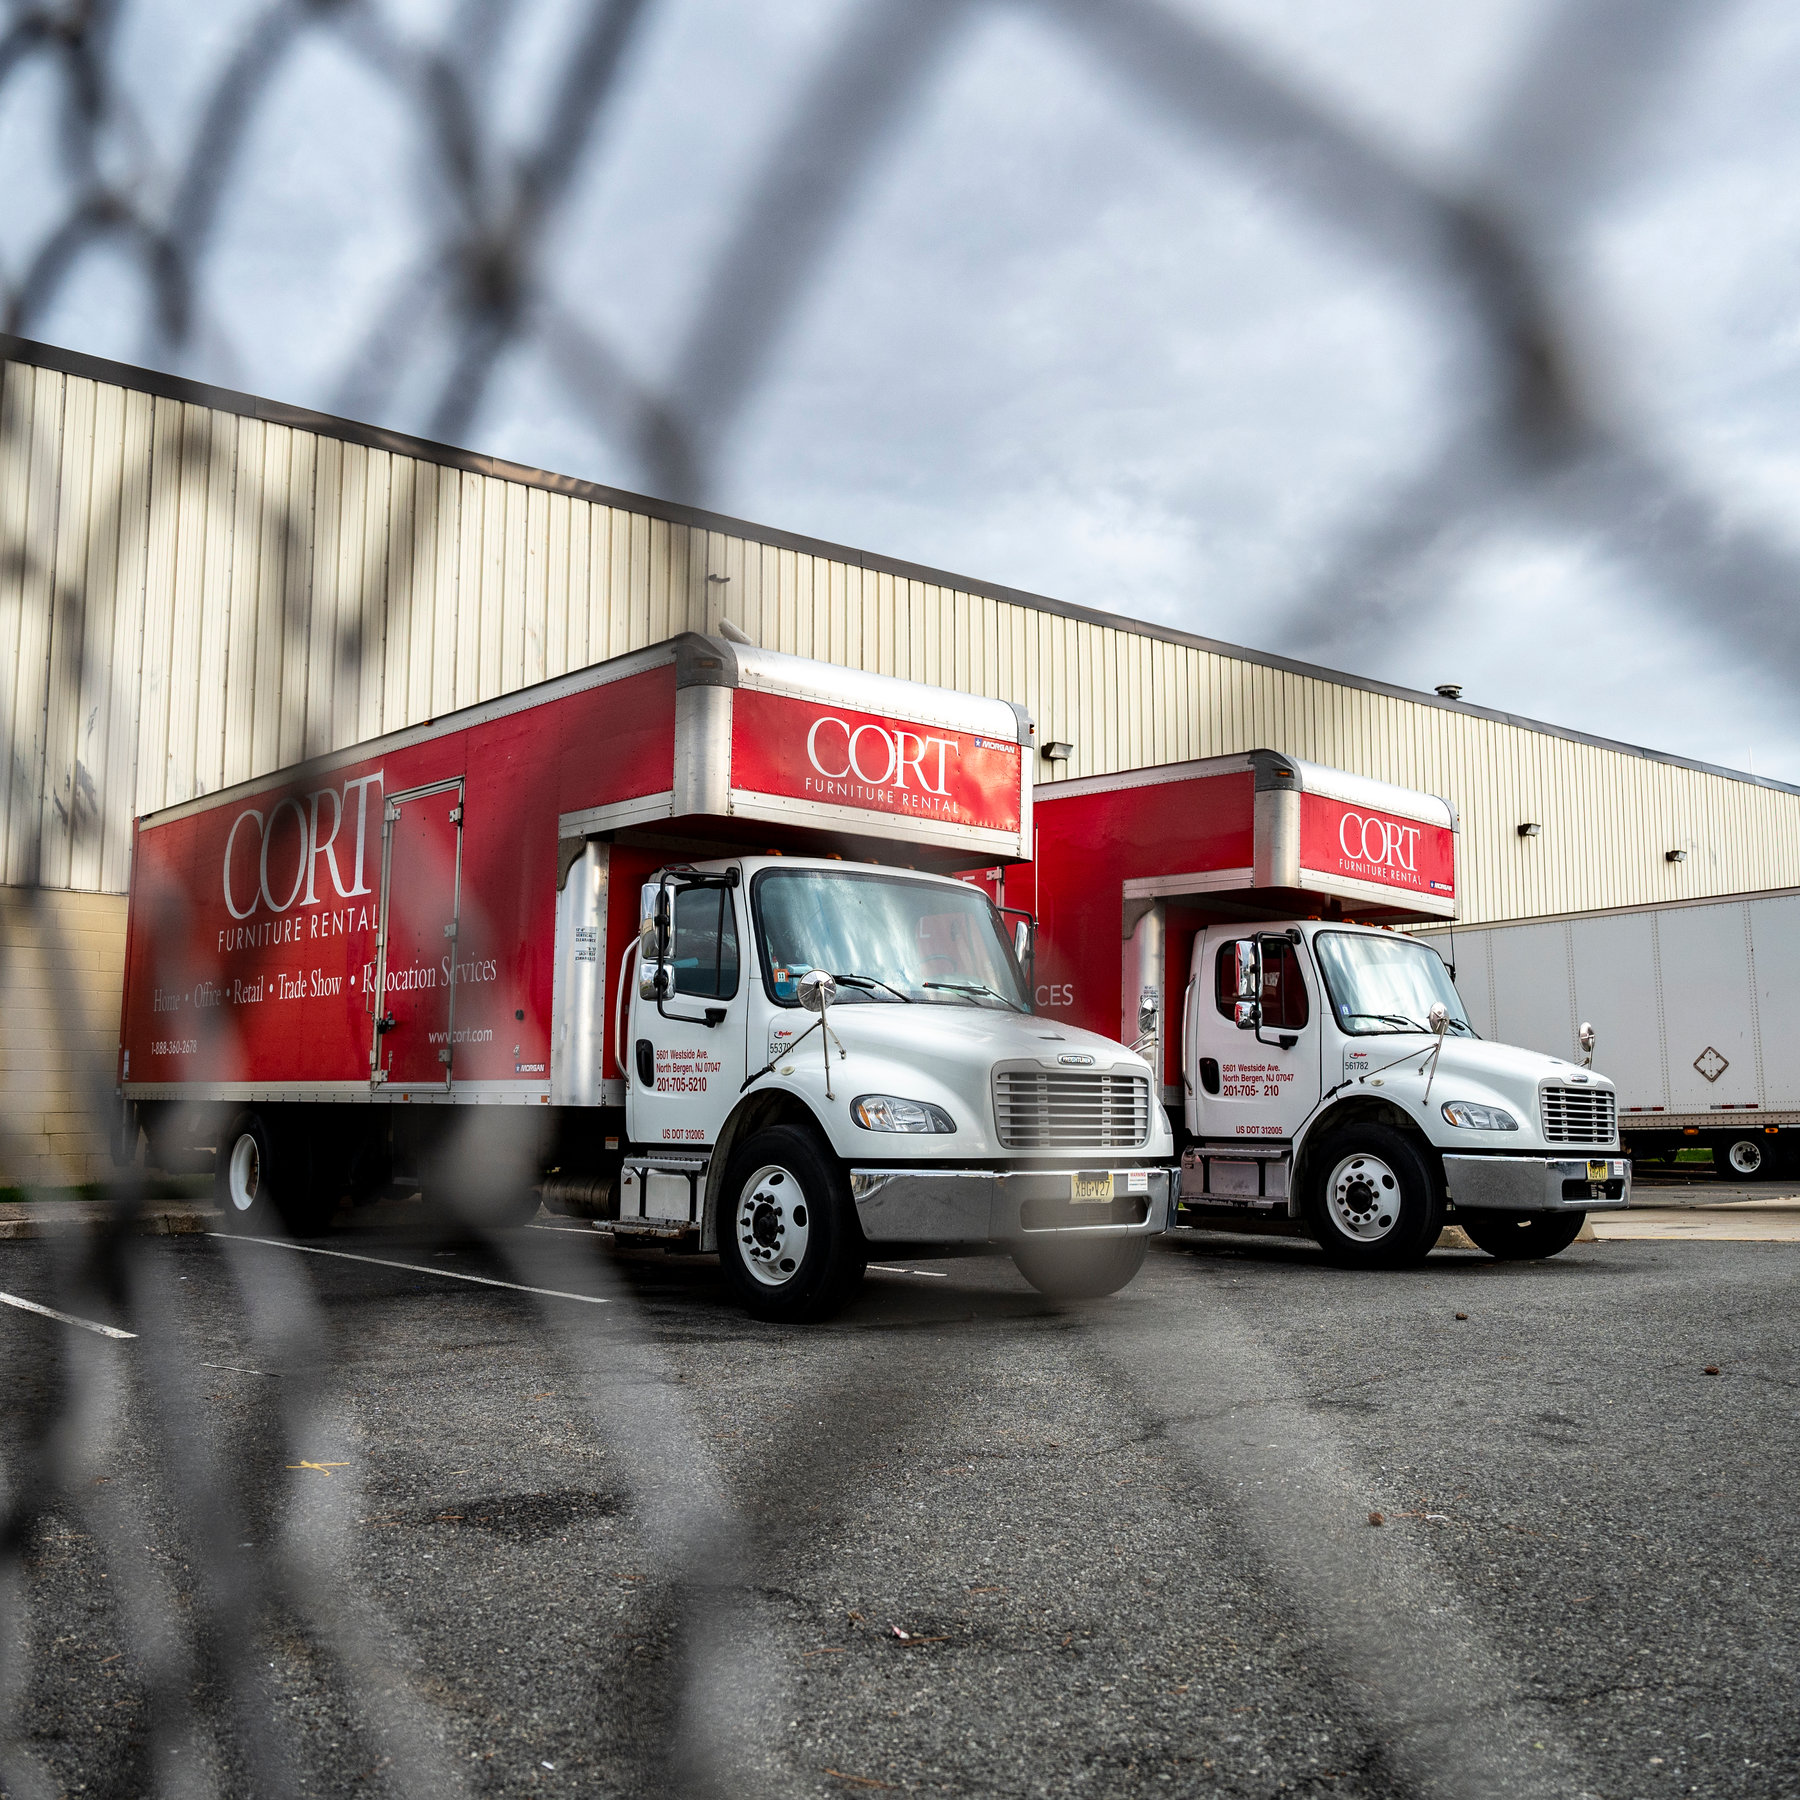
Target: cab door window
1284	1003
704	943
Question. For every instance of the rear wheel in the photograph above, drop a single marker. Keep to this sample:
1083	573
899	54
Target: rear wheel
1747	1158
1080	1268
1522	1237
789	1243
270	1178
1375	1200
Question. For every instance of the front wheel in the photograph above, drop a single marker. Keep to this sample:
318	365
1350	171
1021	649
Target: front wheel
789	1242
1522	1237
1080	1268
1374	1199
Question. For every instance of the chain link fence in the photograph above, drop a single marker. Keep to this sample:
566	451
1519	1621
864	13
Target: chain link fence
1538	429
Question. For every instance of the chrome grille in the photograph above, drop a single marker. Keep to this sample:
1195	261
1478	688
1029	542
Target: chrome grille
1041	1109
1579	1115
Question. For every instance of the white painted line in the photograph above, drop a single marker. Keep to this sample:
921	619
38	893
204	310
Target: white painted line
416	1268
579	1230
888	1269
50	1312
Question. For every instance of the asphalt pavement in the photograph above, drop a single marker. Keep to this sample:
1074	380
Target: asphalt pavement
612	1537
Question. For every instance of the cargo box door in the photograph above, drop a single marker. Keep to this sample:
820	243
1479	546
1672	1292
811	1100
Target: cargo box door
421	878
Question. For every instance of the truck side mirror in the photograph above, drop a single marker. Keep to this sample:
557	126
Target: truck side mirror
653	940
1246	1015
1587	1037
1022	941
817	989
1249	971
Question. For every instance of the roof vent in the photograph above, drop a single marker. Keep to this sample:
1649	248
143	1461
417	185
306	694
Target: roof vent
1449	690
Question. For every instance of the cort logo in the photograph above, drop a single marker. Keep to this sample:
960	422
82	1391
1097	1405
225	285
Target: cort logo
305	845
1383	842
834	738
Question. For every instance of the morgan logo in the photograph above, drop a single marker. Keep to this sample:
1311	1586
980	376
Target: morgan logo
276	863
879	755
1385	843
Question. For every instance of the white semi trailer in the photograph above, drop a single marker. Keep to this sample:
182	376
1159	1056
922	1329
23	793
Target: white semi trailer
1695	1008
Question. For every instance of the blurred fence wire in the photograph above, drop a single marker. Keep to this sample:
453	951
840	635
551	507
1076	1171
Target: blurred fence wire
1537	427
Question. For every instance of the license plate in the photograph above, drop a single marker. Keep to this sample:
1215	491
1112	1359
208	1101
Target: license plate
1596	1171
1087	1186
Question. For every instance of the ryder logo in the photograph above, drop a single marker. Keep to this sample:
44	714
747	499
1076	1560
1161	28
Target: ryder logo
272	859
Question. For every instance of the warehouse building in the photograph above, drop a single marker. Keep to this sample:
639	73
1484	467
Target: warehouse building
197	586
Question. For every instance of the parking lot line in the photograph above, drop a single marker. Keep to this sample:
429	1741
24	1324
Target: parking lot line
383	1262
50	1312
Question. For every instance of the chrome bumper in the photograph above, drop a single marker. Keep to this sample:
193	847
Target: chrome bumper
987	1206
1538	1183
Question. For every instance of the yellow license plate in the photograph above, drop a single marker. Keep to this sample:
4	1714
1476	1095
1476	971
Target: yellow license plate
1086	1186
1596	1171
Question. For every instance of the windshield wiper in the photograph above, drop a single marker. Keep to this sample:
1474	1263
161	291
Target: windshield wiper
1406	1024
869	981
1399	1019
975	987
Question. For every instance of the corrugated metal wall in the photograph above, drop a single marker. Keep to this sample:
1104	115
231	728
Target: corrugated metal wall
255	592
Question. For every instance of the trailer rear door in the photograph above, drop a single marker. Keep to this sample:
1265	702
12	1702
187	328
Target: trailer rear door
421	880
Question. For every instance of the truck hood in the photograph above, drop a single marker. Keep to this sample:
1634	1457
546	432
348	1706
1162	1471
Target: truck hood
945	1055
1471	1069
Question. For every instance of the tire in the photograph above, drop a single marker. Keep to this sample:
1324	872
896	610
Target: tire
1522	1237
1748	1158
789	1242
1080	1268
1374	1199
268	1179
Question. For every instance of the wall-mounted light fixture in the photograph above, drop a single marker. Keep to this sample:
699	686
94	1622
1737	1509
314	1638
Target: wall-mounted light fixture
1674	856
1055	752
1531	831
1449	690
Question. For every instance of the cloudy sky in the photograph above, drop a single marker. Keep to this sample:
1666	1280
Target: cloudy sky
1060	336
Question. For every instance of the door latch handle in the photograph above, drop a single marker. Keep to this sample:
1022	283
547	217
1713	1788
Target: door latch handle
385	1024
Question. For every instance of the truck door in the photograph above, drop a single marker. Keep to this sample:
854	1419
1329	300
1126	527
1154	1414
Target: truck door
1252	1082
685	1071
414	998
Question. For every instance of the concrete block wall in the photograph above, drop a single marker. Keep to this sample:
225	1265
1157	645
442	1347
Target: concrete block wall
62	970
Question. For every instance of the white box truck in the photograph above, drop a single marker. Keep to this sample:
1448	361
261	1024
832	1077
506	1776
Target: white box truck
1233	916
672	936
1695	1008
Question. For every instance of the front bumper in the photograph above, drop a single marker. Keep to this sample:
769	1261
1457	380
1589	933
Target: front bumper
989	1206
1539	1183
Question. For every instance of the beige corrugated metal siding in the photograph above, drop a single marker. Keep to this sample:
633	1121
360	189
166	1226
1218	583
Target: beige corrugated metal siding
227	562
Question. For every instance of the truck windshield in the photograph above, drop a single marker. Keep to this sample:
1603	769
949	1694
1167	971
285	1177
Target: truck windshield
1385	984
888	940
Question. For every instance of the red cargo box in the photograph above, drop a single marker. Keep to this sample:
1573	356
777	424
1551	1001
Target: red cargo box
401	920
1129	866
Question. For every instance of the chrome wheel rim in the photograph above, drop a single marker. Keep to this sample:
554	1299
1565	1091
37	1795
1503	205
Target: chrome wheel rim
1363	1196
1745	1157
245	1175
774	1225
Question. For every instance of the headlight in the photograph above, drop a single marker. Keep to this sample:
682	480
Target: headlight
882	1112
1478	1118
